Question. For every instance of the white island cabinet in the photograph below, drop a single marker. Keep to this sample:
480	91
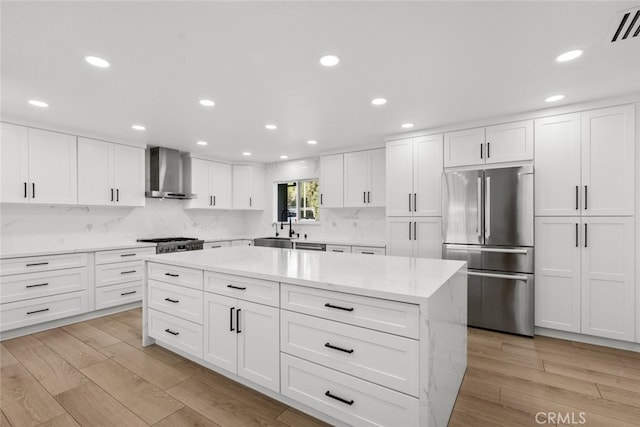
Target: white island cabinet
353	340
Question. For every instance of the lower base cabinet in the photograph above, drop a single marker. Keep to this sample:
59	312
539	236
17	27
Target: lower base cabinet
175	331
39	310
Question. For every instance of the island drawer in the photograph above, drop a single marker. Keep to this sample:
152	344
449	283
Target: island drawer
180	333
368	250
383	315
351	349
118	255
173	274
41	263
216	245
123	293
346	398
34	285
121	272
24	313
339	248
176	300
245	288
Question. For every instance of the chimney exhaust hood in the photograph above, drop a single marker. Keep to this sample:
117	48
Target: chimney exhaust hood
165	175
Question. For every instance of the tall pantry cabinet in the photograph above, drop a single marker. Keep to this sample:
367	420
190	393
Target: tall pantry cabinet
584	206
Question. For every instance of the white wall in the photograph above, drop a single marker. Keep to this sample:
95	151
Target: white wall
353	224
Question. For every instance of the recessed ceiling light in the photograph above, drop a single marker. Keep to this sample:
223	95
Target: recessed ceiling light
379	101
37	103
271	127
569	56
407	125
138	127
246	153
97	62
329	60
201	142
554	98
312	142
207	102
284	157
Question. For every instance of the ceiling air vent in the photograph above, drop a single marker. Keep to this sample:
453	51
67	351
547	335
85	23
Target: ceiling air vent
627	26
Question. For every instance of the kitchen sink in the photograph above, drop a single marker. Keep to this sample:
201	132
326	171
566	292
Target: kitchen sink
274	242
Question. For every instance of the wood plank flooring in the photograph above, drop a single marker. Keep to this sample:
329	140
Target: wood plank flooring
97	373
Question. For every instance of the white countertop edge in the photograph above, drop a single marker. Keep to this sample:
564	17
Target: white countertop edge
74	250
329	241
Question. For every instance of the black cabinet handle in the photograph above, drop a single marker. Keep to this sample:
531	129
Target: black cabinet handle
367	253
577	191
238	320
171	332
488	150
333	347
585	235
231	319
481	151
210	200
415	202
112	194
38	311
250	202
364	197
368	196
321	198
175	301
415	231
117	194
241	288
127	254
33	264
576	234
128	272
38	285
409	202
171	275
33	190
128	293
329	305
337	250
25	190
328	394
214	200
585	197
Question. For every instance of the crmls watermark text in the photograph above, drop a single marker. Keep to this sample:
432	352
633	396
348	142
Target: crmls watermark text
561	418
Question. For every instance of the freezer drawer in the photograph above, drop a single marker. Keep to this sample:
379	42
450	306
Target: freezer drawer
496	258
501	301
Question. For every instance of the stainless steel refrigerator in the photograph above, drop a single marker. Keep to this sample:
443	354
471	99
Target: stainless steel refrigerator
488	222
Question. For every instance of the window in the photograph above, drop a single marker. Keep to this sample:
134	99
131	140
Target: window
298	200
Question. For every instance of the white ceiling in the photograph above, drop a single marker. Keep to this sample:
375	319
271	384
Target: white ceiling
437	63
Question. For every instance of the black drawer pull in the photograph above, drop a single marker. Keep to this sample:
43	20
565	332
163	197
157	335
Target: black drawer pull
127	254
37	263
215	246
35	286
328	394
171	275
171	332
242	288
338	307
128	293
37	311
337	250
333	347
128	272
367	253
175	301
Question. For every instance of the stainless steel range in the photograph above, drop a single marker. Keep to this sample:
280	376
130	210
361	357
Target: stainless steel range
175	244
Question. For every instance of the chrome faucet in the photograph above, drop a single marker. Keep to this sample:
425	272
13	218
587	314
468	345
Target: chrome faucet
276	225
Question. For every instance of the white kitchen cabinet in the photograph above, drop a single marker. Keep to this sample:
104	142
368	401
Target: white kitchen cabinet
508	142
364	178
414	237
110	174
210	181
242	337
413	179
248	187
14	164
338	248
332	181
585	275
585	163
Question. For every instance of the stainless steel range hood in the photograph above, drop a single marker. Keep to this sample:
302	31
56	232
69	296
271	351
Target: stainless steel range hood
165	175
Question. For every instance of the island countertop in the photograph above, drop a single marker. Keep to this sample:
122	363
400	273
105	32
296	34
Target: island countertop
398	278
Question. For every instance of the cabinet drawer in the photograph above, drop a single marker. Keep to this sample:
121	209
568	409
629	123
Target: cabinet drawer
38	310
339	248
173	274
121	272
176	300
124	293
180	333
117	255
368	250
41	263
33	285
245	288
346	398
215	245
373	313
358	351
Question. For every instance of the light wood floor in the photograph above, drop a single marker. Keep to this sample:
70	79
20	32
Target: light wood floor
96	373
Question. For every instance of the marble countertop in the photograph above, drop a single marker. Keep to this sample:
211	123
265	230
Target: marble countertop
72	250
411	280
326	241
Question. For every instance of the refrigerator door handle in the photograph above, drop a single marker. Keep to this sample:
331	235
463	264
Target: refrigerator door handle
478	230
487	214
498	276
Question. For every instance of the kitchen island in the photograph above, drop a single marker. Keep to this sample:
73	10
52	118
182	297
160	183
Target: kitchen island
351	339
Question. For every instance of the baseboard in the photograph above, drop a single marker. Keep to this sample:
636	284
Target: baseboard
588	339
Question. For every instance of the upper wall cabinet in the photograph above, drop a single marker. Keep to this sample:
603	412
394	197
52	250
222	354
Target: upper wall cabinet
332	181
110	174
248	187
210	181
414	169
508	142
364	178
37	166
584	163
